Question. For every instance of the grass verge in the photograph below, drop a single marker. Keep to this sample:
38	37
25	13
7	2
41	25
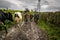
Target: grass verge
53	32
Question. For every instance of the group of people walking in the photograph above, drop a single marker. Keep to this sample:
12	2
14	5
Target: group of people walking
29	17
18	17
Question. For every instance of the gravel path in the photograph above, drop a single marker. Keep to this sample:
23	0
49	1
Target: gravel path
29	31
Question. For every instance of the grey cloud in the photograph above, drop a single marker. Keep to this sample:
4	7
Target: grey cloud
7	4
4	4
53	5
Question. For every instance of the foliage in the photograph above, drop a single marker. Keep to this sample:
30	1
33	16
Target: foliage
51	23
50	17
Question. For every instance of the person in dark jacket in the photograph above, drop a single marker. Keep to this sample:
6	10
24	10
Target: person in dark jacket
36	17
4	17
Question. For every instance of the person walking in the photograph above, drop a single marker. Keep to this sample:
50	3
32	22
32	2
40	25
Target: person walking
26	15
36	17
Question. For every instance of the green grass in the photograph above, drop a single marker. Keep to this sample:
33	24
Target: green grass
8	25
53	32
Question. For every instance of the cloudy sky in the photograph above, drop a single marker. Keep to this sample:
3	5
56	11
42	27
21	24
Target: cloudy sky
46	5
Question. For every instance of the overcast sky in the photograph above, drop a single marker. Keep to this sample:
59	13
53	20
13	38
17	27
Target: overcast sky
46	5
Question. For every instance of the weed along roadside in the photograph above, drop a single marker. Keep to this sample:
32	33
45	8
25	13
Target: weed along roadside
50	24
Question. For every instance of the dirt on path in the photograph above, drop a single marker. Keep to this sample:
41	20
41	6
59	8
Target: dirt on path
29	31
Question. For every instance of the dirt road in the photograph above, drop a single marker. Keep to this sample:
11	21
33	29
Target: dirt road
29	31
